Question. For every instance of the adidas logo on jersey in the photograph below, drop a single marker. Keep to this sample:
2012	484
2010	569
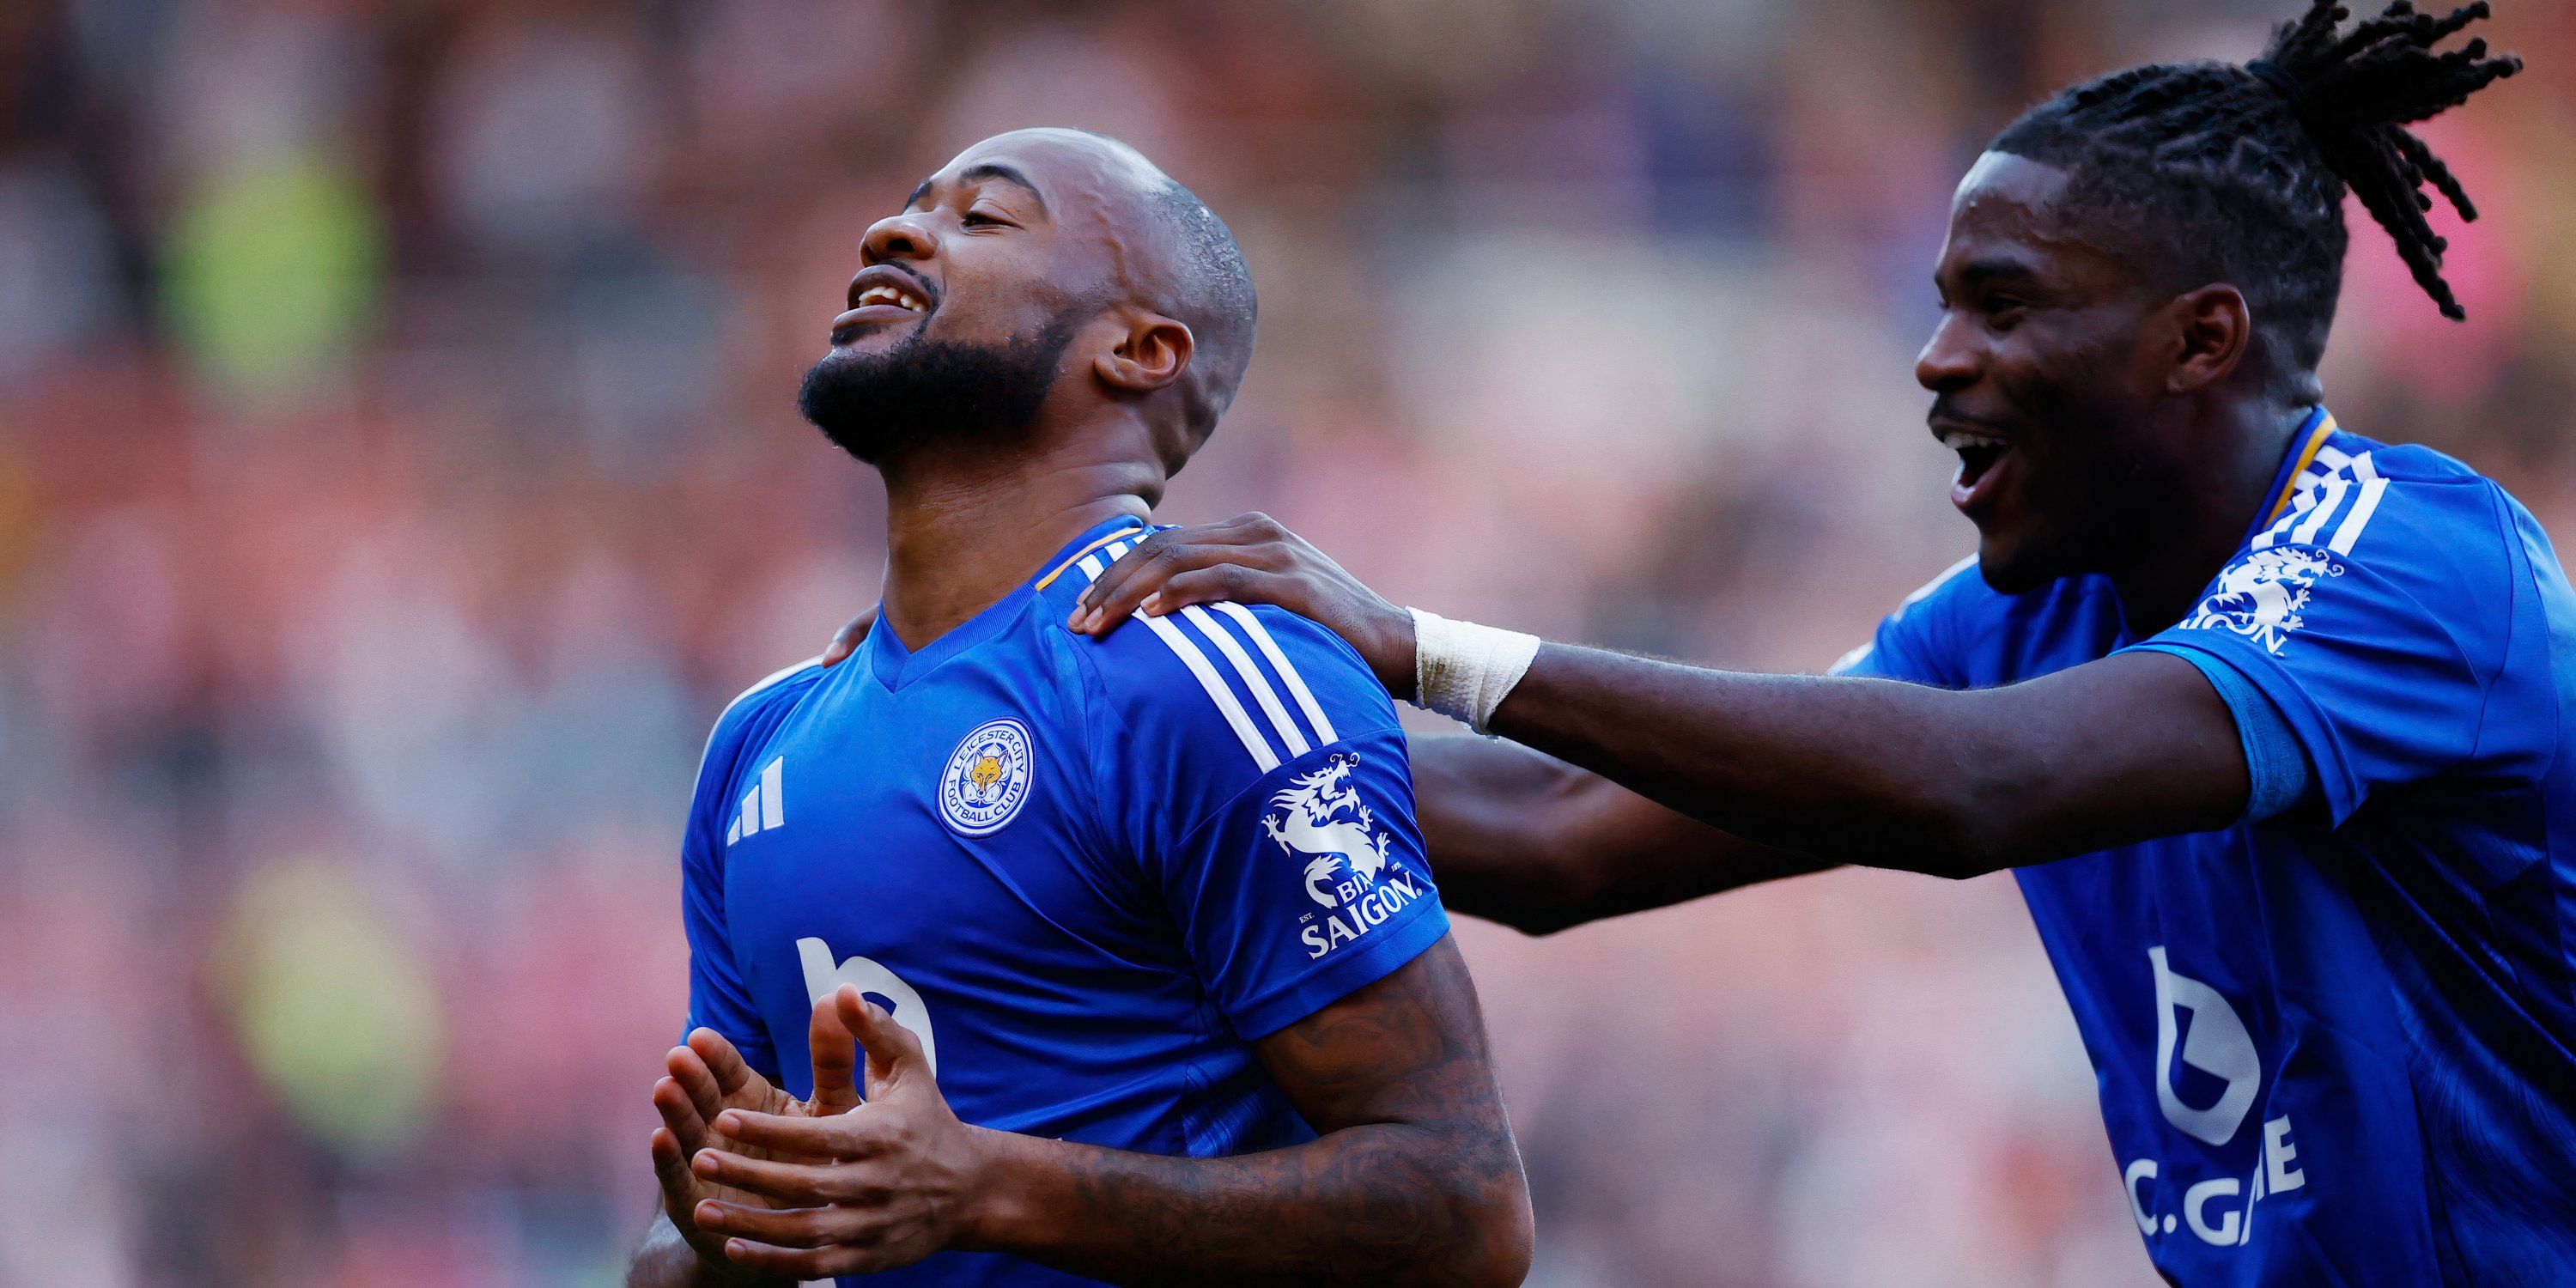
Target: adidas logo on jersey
764	807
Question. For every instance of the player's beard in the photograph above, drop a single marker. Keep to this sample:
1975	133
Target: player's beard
922	392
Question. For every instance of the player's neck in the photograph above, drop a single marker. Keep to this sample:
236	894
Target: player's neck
963	532
2203	520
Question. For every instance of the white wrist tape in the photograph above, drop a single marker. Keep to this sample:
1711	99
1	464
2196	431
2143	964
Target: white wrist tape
1463	670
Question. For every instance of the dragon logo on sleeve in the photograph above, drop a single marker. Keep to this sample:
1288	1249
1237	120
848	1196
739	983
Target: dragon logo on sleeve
2262	595
1319	817
1350	872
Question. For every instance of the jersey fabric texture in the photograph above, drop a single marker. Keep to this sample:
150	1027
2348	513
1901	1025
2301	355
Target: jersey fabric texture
2333	1042
1089	874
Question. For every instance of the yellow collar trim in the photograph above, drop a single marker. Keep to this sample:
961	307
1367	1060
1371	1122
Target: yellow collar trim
2325	429
1076	557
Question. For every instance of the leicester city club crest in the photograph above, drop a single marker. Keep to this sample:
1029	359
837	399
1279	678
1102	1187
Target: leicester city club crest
987	779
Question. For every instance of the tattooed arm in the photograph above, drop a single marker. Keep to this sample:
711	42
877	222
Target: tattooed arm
1414	1180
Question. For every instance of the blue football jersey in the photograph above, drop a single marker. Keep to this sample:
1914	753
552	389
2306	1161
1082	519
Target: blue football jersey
1089	874
2333	1045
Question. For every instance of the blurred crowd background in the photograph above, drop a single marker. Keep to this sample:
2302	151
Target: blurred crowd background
399	469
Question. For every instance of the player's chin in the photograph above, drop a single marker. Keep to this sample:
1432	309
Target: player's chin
2015	561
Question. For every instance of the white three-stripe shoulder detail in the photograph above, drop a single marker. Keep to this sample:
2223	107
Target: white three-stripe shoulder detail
2358	482
2363	506
1289	733
2327	503
1287	673
1196	660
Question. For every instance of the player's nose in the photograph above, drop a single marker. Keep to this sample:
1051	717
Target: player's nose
904	236
1950	359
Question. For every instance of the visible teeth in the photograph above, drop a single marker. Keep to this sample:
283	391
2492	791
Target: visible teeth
1958	441
890	295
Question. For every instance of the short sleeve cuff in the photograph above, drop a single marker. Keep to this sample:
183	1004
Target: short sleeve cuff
2276	767
1393	944
2323	754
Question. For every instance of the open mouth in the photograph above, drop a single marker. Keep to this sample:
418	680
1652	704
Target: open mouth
880	294
1981	456
1977	454
895	296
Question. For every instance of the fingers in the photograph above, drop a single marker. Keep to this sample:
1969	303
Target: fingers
689	1070
835	1136
1145	570
894	1052
680	1116
1214	584
671	1169
836	1058
787	1184
803	1263
783	1227
1090	609
1106	589
725	1063
845	641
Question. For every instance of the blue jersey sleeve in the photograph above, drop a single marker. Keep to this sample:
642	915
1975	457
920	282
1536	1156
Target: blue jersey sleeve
2378	618
1258	776
2276	766
1916	643
718	998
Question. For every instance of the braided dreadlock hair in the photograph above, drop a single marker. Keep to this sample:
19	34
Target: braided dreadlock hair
2237	174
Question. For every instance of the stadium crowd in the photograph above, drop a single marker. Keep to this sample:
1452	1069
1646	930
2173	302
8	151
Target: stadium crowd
399	469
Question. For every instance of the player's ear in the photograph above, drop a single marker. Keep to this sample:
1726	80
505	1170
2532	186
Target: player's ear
2212	329
1152	354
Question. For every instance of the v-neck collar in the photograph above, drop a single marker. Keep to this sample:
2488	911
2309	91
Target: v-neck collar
895	666
2313	434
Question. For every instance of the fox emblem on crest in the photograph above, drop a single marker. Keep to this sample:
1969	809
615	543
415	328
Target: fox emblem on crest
984	773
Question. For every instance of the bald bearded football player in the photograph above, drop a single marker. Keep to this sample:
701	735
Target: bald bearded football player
1149	972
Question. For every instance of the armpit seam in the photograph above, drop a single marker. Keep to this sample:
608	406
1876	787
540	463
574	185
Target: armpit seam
2519	560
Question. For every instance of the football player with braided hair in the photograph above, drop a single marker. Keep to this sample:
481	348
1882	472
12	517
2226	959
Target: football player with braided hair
2272	720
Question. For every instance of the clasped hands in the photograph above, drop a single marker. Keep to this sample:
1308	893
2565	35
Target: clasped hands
764	1185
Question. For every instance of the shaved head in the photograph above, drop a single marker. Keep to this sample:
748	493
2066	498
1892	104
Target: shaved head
1169	252
1039	269
1210	290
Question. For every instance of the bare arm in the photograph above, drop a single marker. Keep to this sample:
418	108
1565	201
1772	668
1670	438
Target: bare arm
665	1260
1860	771
1530	841
1414	1179
1534	843
1952	783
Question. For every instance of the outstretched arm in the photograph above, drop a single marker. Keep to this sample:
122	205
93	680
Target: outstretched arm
1532	842
1876	772
1414	1180
1539	845
1888	774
